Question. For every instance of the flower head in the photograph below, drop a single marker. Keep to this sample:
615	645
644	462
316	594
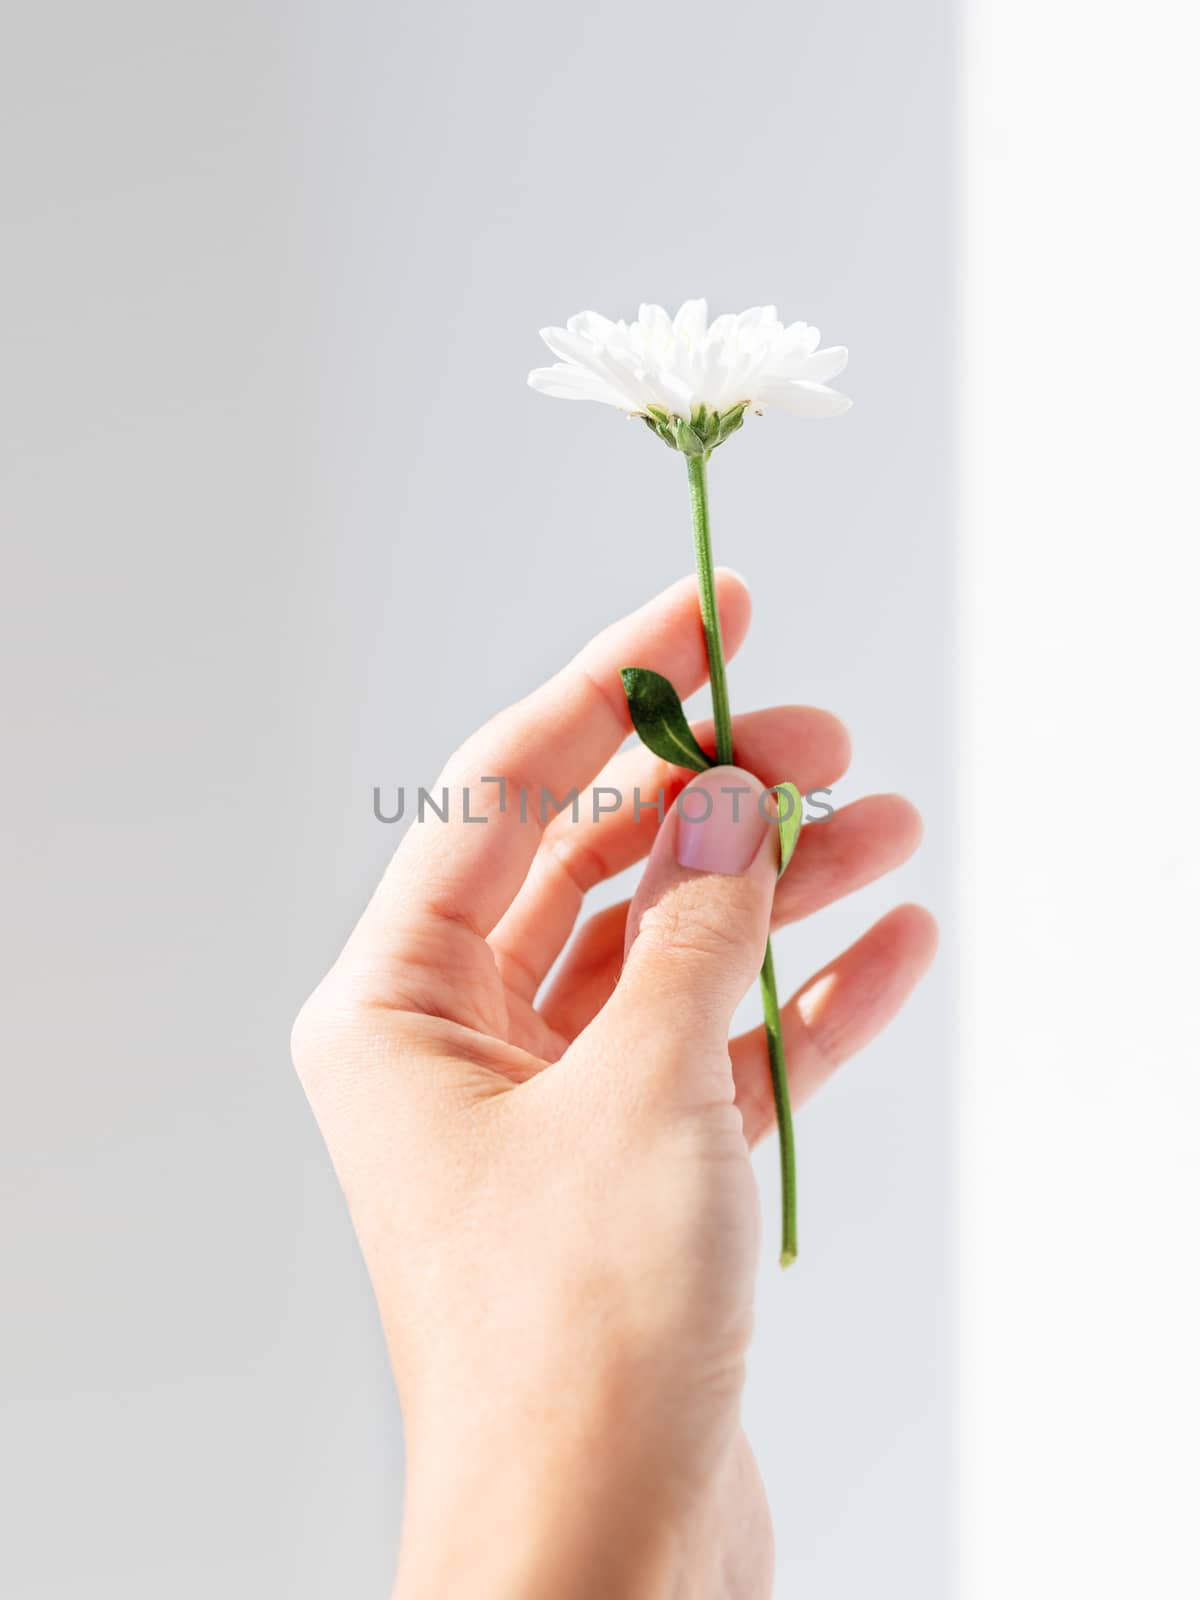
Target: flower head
686	370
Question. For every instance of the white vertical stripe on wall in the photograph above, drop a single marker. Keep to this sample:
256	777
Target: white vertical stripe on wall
1078	681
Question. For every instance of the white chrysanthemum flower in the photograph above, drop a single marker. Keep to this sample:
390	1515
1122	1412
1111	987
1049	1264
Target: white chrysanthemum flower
686	368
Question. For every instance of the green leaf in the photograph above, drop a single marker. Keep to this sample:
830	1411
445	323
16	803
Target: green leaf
731	422
709	430
687	439
659	720
791	819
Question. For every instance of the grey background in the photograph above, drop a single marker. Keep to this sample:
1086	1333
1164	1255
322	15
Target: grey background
282	522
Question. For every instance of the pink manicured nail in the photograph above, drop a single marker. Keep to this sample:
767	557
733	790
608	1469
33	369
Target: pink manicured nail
721	823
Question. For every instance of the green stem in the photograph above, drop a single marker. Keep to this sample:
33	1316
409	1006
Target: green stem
783	1106
698	484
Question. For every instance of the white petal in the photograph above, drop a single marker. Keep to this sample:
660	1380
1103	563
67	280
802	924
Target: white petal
691	318
606	361
568	345
722	330
574	383
825	364
804	399
655	321
675	395
756	318
799	336
590	324
817	368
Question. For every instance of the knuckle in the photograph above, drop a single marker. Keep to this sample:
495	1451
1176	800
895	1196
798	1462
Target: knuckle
319	1033
696	925
343	1034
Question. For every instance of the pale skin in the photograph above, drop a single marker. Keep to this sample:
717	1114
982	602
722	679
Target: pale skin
550	1182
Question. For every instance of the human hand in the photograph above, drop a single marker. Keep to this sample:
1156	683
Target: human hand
555	1199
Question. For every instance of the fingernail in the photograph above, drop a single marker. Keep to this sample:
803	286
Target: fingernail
720	821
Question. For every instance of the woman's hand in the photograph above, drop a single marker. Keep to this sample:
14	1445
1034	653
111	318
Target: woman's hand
552	1189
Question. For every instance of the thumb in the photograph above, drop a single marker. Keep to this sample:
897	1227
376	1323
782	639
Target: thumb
698	924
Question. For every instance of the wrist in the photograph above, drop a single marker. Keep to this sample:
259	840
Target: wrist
543	1507
501	1533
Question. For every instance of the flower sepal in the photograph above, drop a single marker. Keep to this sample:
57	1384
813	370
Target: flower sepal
698	435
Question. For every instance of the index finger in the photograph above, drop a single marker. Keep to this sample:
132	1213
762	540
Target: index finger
555	740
